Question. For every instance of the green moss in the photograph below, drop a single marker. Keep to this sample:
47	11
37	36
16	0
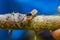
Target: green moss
36	26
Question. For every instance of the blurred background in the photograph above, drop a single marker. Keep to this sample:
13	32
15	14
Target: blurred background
44	7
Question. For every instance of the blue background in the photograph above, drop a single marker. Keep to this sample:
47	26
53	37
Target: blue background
46	7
